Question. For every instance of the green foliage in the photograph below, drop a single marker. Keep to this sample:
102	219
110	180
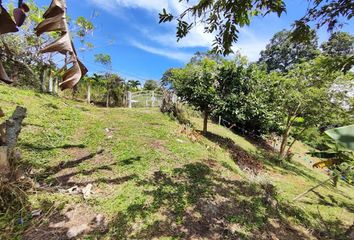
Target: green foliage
85	27
339	52
282	53
225	18
197	84
104	59
133	85
246	97
330	13
151	85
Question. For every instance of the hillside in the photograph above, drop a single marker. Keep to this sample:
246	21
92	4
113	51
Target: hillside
153	179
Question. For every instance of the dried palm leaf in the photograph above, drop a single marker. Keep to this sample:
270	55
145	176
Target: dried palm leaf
71	77
3	75
20	14
62	45
56	8
56	23
83	69
55	20
7	25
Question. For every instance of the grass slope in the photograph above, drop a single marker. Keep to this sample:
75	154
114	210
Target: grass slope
155	181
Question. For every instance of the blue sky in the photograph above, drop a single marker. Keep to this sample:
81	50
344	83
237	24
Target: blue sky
143	49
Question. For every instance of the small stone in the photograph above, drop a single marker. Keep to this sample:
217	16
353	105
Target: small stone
76	231
86	191
36	213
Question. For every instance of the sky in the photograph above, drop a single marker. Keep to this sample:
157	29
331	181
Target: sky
142	49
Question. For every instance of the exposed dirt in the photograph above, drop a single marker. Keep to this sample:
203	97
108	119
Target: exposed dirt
245	160
69	223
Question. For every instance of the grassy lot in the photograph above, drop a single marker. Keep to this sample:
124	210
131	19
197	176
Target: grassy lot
158	180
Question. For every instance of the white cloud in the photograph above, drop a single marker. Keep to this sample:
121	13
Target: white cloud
172	54
150	5
249	44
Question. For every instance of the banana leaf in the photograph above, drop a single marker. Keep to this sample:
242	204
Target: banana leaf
343	136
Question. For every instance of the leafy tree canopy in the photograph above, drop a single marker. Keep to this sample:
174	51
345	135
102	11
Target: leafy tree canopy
282	53
151	85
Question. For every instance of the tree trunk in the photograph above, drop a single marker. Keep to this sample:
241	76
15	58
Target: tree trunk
9	131
284	142
14	76
205	125
88	93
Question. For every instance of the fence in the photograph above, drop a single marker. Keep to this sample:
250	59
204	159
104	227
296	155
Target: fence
144	99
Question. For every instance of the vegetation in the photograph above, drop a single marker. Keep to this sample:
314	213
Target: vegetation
226	18
153	176
70	168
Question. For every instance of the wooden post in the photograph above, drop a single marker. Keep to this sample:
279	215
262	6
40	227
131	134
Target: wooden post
88	92
50	86
153	99
129	99
4	161
219	120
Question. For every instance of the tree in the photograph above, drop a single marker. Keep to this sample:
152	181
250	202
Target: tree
339	44
133	85
306	100
282	53
246	95
339	51
151	85
197	84
224	18
330	13
105	60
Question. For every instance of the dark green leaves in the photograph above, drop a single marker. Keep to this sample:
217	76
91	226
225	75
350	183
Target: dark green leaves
224	18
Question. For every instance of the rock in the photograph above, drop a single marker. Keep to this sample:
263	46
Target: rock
86	191
36	213
76	231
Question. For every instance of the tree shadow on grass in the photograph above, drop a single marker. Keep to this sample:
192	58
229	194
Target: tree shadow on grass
35	147
243	158
66	180
194	202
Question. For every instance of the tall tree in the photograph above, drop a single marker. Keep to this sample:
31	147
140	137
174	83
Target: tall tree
282	53
339	51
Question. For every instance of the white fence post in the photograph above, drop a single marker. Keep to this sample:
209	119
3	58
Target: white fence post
153	99
129	99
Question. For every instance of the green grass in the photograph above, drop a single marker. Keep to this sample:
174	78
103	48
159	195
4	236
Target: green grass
153	181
